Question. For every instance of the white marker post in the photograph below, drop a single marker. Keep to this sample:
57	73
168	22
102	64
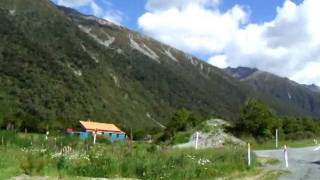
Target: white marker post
315	141
47	134
197	138
249	155
276	138
286	156
94	137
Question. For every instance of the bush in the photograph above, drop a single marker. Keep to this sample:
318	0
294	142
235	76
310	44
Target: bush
181	137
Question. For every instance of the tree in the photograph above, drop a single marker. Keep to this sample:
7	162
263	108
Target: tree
178	122
257	119
182	120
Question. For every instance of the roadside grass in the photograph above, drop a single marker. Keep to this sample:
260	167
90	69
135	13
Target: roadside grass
261	173
270	144
68	158
262	161
272	175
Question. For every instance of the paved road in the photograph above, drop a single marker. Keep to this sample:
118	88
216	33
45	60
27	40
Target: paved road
304	163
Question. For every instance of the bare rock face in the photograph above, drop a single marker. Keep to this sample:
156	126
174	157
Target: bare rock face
213	136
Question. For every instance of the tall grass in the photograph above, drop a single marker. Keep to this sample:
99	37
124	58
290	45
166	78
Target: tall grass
159	164
139	160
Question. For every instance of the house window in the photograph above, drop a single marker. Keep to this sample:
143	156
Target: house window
110	134
117	135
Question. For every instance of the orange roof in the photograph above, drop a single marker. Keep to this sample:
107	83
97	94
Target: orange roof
96	126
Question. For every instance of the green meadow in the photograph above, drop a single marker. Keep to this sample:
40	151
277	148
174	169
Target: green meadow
69	157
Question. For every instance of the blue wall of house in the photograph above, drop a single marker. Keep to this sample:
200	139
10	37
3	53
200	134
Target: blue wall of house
111	136
115	137
85	135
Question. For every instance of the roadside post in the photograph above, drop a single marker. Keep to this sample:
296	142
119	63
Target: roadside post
276	138
249	155
47	134
94	136
197	138
286	156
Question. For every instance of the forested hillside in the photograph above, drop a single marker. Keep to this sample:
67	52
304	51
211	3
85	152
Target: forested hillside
58	66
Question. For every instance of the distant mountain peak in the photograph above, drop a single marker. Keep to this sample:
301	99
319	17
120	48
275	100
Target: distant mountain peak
313	87
241	72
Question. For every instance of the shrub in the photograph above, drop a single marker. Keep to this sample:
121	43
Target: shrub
181	137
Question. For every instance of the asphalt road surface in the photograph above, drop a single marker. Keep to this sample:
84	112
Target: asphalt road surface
304	163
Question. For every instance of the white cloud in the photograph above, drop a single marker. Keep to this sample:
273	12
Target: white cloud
289	45
194	27
155	5
219	61
73	3
105	10
309	72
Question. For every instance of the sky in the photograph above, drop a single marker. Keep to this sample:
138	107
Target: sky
278	36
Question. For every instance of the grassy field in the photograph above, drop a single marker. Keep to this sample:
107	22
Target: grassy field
67	157
290	143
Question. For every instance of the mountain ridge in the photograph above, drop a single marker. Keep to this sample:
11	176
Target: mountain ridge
58	66
66	68
305	97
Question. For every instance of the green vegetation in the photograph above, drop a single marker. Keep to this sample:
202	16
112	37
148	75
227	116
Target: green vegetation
70	157
179	128
270	144
54	74
282	94
258	121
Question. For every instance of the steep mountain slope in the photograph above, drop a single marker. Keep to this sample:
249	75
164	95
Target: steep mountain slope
288	97
58	66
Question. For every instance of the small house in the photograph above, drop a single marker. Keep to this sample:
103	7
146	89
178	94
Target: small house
106	130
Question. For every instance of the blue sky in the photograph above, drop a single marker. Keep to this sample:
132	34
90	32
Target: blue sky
262	10
278	36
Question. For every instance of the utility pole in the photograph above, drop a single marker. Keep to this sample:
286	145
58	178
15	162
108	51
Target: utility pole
276	138
249	155
131	139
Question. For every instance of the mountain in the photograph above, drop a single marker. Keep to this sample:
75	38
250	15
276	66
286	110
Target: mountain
58	66
313	88
287	96
241	72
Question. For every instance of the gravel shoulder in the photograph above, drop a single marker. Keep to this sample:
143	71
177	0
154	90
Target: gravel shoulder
304	163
